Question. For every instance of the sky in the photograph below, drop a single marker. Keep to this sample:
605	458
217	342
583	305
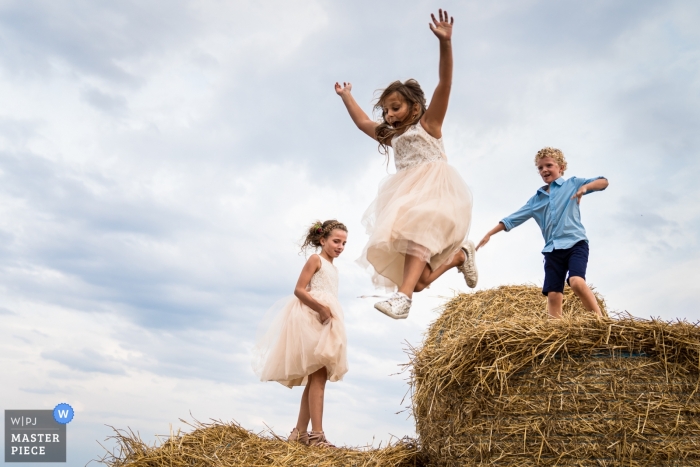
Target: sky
160	161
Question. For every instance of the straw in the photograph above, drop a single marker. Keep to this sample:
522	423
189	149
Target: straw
220	444
498	383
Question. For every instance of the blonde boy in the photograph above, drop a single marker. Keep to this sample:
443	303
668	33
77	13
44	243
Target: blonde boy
558	215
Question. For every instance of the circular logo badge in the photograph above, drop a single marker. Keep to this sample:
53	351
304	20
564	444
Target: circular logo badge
63	413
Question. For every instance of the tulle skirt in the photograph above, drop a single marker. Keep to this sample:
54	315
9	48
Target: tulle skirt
292	343
423	211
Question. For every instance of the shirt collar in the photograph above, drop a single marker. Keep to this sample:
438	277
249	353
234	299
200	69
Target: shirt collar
558	181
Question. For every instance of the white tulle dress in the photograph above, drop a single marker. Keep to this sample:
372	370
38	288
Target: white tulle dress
424	209
292	342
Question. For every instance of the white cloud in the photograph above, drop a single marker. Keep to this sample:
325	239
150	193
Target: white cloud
159	161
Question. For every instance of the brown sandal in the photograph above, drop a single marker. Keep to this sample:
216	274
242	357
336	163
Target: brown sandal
317	438
297	436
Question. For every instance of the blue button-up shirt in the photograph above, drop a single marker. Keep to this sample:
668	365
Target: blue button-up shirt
555	212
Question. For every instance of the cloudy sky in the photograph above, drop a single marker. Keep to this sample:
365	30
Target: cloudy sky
160	160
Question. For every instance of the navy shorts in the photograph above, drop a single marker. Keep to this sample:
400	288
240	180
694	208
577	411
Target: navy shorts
558	262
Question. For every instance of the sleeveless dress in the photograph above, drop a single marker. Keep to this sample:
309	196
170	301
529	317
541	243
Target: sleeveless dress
292	343
424	209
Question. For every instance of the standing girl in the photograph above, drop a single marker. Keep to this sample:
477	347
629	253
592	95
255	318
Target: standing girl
305	344
419	221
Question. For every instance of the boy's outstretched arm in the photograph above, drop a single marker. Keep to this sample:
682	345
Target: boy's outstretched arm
500	227
435	115
595	185
508	223
363	122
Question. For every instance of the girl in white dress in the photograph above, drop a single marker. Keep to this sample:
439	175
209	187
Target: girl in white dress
304	341
420	219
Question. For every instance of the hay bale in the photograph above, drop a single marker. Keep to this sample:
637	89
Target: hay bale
221	444
496	383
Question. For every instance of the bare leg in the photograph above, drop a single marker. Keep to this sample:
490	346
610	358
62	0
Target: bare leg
554	303
413	267
580	288
304	414
317	388
429	276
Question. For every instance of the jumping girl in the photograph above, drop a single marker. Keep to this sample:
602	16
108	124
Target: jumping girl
305	344
420	219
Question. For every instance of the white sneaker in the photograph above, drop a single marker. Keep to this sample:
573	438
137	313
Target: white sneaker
396	307
468	268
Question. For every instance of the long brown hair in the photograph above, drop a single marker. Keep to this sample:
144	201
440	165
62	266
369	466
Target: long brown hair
412	93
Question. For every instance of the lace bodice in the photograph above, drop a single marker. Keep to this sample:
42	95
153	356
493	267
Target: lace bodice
415	147
325	280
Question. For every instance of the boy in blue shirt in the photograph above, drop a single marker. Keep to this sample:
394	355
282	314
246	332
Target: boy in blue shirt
566	246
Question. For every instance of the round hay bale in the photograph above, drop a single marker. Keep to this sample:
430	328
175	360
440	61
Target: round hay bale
497	383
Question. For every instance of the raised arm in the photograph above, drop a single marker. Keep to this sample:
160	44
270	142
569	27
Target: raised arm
363	122
434	116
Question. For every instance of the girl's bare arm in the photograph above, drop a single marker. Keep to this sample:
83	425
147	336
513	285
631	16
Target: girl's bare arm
310	268
435	115
363	122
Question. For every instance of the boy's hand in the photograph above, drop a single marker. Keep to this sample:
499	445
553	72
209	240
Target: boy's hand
443	28
483	241
499	228
581	191
344	89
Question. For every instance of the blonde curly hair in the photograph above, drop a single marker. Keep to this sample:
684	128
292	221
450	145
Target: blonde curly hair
555	154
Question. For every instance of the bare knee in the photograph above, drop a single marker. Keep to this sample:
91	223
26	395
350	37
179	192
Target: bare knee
578	284
555	302
317	387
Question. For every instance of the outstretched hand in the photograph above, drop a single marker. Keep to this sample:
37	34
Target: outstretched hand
483	241
443	28
344	89
500	227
